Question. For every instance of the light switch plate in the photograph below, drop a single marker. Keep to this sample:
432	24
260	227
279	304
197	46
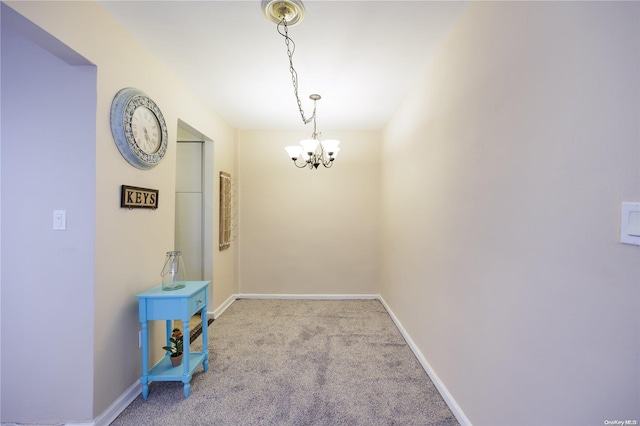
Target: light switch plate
59	220
630	224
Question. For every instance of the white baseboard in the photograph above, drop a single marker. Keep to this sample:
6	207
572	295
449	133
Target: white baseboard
217	312
110	414
446	395
309	296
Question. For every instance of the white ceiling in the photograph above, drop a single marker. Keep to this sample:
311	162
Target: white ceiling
362	57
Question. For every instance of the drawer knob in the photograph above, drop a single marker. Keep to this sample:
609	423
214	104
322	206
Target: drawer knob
199	300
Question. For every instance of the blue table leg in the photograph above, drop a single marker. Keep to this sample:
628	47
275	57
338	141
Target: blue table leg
145	389
169	327
186	377
144	379
205	344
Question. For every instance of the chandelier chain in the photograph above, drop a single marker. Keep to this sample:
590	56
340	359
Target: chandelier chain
312	152
294	74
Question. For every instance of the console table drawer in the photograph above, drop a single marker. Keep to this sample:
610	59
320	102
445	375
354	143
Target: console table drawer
197	301
178	304
156	309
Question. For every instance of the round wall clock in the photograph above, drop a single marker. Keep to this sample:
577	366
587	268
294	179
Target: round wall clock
138	128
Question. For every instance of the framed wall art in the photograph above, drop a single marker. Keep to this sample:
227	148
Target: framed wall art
226	211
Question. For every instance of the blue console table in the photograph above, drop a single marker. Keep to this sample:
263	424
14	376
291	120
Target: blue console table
180	304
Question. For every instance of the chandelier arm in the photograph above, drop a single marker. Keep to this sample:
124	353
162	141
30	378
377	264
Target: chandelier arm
300	166
327	161
294	74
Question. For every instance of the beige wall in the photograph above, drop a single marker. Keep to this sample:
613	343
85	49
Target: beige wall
130	245
502	182
225	263
303	231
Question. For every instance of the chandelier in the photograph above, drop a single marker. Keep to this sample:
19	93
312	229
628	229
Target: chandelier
311	152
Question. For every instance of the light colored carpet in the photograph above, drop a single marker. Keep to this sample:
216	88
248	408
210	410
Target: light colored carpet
299	362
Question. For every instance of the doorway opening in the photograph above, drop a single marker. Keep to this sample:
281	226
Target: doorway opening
194	207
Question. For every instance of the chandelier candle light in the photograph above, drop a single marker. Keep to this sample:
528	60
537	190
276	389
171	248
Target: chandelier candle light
311	152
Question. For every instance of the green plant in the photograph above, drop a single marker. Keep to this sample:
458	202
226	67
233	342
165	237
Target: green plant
177	340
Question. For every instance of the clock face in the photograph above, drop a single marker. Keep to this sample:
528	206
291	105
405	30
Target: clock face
138	128
146	130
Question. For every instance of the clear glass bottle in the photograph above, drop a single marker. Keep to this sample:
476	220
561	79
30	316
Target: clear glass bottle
173	273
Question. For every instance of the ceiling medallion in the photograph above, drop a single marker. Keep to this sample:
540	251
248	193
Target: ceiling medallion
291	11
